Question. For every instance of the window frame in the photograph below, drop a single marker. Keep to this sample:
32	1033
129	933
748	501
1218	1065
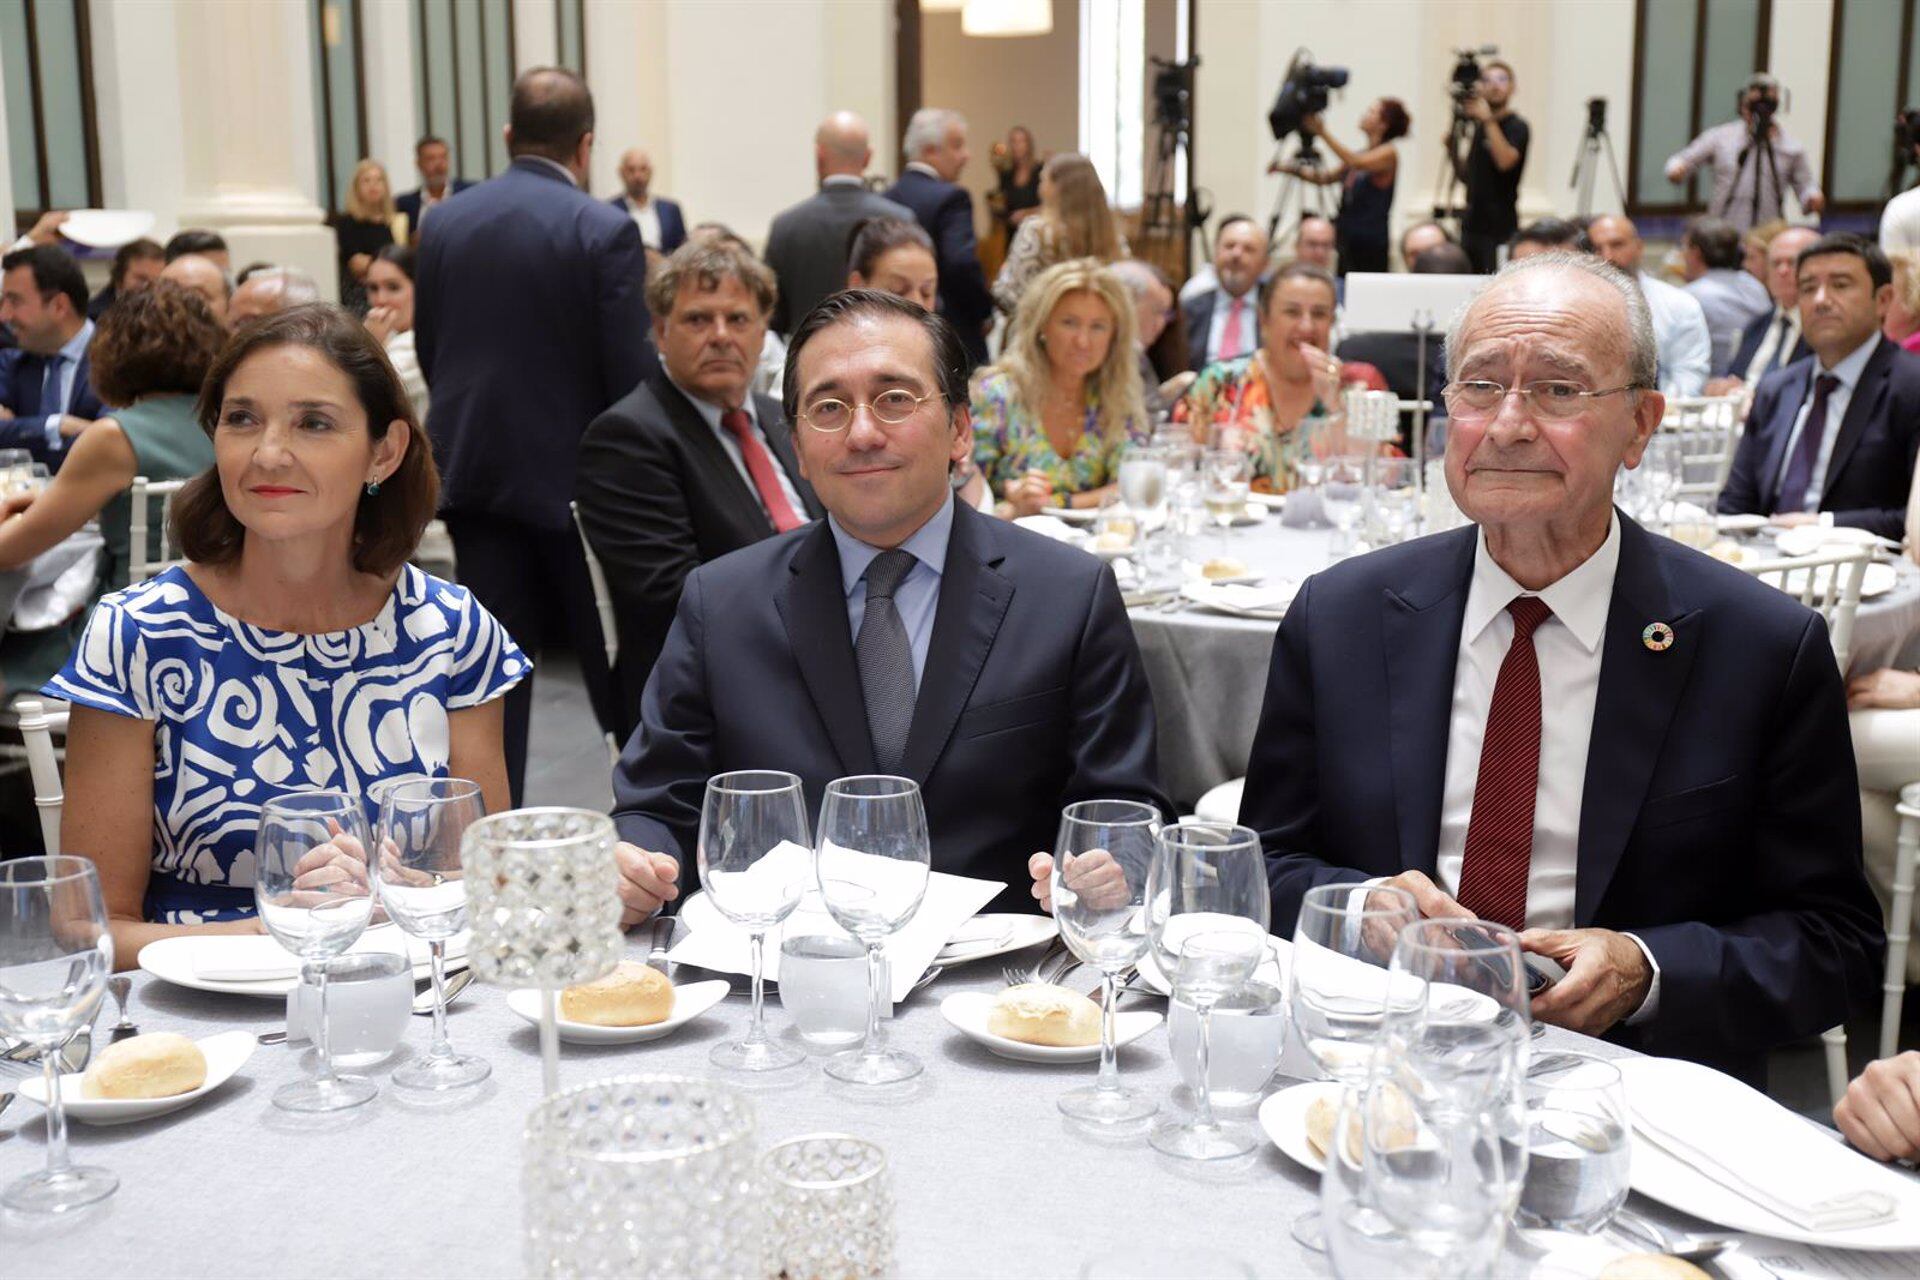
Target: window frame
1692	199
452	130
24	215
332	199
1903	86
580	33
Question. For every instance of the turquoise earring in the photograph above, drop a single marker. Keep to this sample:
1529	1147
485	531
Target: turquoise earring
373	488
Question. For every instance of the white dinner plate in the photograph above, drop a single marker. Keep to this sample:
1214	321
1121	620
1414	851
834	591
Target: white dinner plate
1273	970
226	1054
689	1002
1283	1116
1253	513
1271	501
968	1011
996	933
171	960
1073	515
106	228
1208	596
1744	522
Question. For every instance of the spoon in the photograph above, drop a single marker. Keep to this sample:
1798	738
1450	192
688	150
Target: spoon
1644	1230
121	986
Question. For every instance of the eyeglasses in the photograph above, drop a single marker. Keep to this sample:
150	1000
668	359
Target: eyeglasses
890	407
1552	400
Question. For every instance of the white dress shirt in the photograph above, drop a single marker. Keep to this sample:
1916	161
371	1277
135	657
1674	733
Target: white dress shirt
1217	326
646	216
1851	366
710	413
1680	331
1776	347
70	356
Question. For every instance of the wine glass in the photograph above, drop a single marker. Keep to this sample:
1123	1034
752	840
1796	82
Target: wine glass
424	890
55	954
1144	488
753	855
1207	913
1460	1013
872	858
1224	474
315	894
1341	491
1101	860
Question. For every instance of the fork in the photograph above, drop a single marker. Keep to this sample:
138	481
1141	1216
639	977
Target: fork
1019	974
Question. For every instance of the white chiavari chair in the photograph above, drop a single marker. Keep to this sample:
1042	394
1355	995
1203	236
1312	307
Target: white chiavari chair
603	602
142	563
1900	919
36	732
1708	430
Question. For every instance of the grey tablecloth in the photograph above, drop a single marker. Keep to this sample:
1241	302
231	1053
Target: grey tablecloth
1208	671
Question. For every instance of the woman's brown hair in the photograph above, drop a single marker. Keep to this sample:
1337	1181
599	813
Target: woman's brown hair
160	340
388	525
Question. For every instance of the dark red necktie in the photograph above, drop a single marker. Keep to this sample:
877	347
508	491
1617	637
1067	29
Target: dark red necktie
1797	475
1493	876
760	467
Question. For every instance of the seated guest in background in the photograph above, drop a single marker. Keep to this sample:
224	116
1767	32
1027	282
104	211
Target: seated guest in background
1903	312
270	290
136	264
390	320
368	224
1731	299
1052	417
904	634
1880	1114
434	160
1773	340
1258	401
1832	439
1884	717
894	255
662	228
1397	355
807	244
298	537
1419	238
1753	247
690	465
1153	315
1224	323
935	147
1074	221
1366	179
1679	324
1315	243
1630	752
46	389
201	274
1542	235
201	242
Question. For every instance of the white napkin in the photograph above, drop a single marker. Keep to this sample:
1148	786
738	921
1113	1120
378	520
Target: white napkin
262	959
1051	527
1807	539
1743	1140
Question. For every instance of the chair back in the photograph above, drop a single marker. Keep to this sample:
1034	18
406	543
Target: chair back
141	562
602	599
1828	583
36	731
1708	430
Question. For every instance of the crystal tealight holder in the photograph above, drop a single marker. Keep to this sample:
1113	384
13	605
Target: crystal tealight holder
829	1209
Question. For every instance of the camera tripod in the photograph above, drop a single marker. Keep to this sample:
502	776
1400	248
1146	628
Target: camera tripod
1446	185
1760	147
1308	197
1595	141
1163	221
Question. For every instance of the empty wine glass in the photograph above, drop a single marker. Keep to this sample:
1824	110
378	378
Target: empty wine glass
1460	1015
315	894
754	864
55	954
1101	861
1207	913
424	890
872	858
1144	488
1224	474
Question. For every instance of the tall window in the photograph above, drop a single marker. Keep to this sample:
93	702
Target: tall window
1690	58
52	138
1874	67
466	77
1113	65
339	97
570	33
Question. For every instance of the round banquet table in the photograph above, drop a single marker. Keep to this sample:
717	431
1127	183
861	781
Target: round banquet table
989	1178
1208	671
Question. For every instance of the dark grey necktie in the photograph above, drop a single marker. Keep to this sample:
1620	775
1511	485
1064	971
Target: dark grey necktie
885	656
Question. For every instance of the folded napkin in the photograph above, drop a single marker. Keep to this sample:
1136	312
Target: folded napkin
261	959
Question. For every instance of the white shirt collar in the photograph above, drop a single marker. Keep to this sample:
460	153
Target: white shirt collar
1854	363
554	165
928	545
76	346
1579	600
843	180
921	166
708	409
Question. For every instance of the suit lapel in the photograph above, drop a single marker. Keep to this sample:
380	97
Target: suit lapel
1420	628
723	478
780	440
1865	407
1197	327
1785	410
813	606
973	600
1632	711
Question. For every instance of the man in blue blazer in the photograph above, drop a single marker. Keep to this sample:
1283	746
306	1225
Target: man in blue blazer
662	228
1834	436
531	319
1636	755
936	151
46	383
434	159
905	634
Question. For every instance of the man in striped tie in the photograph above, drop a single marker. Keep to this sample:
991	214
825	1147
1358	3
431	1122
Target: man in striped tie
1632	754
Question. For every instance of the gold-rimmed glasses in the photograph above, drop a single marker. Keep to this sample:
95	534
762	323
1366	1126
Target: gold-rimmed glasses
892	407
1551	398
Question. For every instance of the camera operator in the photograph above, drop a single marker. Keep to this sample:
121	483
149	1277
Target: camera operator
1490	169
1366	179
1900	220
1754	161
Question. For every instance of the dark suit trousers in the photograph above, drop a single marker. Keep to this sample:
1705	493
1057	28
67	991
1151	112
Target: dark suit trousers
1483	250
535	582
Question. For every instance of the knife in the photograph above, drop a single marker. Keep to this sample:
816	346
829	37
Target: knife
660	937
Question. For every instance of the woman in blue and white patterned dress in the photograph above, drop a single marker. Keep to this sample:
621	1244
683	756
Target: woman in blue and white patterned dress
297	649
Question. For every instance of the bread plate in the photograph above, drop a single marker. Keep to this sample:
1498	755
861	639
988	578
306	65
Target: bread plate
968	1012
996	933
226	1053
1283	1117
172	960
1272	970
689	1002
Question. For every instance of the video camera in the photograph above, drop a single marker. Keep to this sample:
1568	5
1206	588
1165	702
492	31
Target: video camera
1302	93
1173	92
1906	130
1464	81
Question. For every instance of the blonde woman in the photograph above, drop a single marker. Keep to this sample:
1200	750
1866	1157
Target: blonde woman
1051	418
1073	221
1902	324
369	224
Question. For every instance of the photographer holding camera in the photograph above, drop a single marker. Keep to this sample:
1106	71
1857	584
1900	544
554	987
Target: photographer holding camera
1753	159
1490	167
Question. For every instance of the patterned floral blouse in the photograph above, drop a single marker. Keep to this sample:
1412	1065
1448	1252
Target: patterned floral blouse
1232	398
242	714
1008	442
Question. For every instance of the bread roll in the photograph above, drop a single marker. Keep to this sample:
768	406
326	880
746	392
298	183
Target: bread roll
1402	1127
633	995
1038	1013
1651	1266
1223	567
157	1065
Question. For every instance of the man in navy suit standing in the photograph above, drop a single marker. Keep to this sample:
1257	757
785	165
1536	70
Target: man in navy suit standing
532	319
1630	752
662	227
434	159
46	391
936	151
1833	438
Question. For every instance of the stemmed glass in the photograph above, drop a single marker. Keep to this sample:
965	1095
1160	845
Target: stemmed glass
1207	913
1143	487
754	859
1341	492
424	890
55	954
315	894
1224	474
872	858
1101	861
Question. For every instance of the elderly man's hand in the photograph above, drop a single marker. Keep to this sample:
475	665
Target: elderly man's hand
1608	977
647	882
1040	867
1428	896
1881	1112
1888	688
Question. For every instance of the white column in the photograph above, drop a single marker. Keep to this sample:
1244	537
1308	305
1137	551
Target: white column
392	66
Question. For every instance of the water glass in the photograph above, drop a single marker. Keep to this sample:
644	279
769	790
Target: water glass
1460	1017
823	987
1249	1034
423	887
55	954
1578	1144
872	859
754	864
315	893
369	1003
1224	474
642	1175
829	1209
1341	492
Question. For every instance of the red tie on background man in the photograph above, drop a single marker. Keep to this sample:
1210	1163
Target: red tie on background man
760	467
1493	875
1230	344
